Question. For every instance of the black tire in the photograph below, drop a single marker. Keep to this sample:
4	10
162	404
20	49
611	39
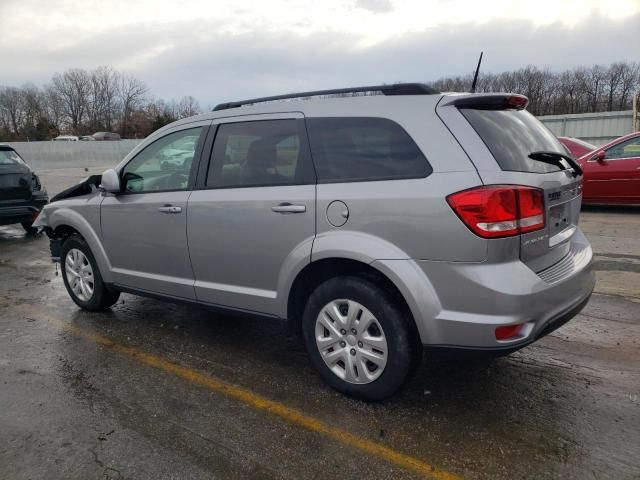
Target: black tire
403	354
29	228
102	297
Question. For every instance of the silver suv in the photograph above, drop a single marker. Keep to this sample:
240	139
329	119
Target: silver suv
375	224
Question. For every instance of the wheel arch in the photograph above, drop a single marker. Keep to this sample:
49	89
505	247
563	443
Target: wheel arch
64	222
316	272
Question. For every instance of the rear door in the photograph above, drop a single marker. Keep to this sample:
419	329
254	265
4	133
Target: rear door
498	137
254	211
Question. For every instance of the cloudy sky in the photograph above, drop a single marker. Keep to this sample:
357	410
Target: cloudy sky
219	50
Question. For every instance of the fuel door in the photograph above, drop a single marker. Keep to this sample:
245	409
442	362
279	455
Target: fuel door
337	213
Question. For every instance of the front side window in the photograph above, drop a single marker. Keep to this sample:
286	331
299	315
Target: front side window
364	149
628	149
260	153
163	165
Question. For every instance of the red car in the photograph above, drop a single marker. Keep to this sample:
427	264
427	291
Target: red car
612	172
576	147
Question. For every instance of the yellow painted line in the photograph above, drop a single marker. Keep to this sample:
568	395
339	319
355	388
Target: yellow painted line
261	403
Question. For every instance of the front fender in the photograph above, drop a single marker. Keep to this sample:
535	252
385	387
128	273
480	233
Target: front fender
82	215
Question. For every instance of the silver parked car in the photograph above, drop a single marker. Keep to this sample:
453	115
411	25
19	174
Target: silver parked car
374	224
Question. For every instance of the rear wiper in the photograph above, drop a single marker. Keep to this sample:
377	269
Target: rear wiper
554	158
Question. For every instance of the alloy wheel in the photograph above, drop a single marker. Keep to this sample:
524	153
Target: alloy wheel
79	274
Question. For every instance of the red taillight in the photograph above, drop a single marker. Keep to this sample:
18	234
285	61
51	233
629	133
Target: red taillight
505	333
530	209
497	211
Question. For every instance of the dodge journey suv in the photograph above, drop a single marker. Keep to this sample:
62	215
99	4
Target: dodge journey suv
374	224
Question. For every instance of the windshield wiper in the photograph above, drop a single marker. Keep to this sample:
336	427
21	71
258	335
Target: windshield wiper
554	158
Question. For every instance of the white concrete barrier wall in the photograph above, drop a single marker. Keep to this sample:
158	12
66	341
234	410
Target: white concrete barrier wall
51	155
596	128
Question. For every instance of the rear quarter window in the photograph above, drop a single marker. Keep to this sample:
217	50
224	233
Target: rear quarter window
363	149
511	135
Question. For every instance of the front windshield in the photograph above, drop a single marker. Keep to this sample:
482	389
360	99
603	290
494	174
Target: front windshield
9	157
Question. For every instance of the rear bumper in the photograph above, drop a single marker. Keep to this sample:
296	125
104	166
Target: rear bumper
469	301
546	329
18	211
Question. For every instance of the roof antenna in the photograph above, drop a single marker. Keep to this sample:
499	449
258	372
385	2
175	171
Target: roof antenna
475	76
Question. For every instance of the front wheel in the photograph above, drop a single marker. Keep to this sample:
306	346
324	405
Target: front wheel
82	278
358	338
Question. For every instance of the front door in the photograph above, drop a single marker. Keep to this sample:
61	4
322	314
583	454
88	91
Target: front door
144	228
616	178
255	213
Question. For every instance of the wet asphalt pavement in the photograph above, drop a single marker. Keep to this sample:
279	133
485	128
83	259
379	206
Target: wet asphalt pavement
151	390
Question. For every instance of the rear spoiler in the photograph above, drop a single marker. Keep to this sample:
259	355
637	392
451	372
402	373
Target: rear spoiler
491	101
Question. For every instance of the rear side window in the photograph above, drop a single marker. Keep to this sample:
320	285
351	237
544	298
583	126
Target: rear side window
9	157
511	135
260	154
363	149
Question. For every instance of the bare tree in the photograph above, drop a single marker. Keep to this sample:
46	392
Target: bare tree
104	98
131	93
54	108
629	83
187	107
73	89
11	105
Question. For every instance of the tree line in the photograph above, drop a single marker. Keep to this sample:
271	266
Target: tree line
82	102
579	90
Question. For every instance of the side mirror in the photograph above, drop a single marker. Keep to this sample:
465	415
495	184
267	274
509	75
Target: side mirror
110	181
599	156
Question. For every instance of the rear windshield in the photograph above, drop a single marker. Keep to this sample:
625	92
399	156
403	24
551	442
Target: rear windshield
583	143
9	157
511	135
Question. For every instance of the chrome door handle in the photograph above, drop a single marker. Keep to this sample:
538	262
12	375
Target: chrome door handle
289	208
170	209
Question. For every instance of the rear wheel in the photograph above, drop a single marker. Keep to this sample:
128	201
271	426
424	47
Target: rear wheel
358	338
82	278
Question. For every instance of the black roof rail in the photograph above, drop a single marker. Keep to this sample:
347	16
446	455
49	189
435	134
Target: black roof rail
396	89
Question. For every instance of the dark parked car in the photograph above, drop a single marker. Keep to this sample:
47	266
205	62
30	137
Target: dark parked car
612	172
21	193
576	147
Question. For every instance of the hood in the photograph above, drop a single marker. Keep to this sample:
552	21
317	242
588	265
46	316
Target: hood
85	187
